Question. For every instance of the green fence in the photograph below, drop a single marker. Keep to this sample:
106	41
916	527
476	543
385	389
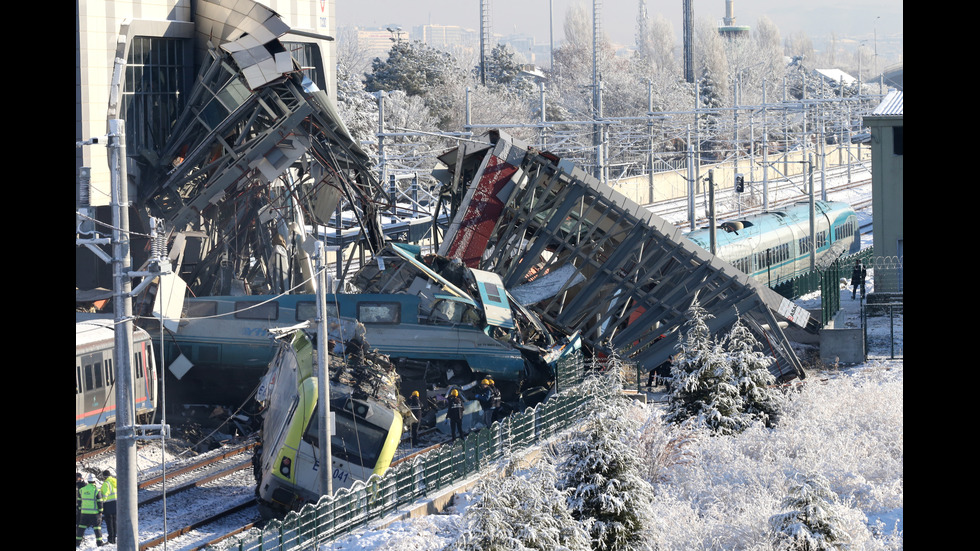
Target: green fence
826	281
429	473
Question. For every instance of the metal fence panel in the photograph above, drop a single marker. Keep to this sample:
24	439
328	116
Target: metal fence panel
352	508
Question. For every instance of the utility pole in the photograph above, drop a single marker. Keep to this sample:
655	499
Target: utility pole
323	374
813	236
127	431
127	536
597	130
712	223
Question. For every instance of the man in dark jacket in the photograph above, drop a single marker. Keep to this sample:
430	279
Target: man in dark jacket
857	278
414	403
455	414
495	401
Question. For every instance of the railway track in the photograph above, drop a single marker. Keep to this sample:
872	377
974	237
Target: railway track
203	501
781	194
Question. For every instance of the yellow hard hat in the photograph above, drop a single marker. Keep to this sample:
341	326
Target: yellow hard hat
454	392
415	393
484	382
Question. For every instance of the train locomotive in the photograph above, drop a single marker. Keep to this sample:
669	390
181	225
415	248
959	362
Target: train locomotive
95	376
774	246
368	424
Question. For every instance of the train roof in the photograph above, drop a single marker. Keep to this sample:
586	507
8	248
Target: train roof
767	221
100	332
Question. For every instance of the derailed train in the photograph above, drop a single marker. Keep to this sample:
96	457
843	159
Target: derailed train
774	246
95	376
367	412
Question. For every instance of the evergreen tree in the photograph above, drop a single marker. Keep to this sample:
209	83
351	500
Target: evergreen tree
751	375
421	71
413	67
504	72
813	523
722	385
702	390
601	470
520	512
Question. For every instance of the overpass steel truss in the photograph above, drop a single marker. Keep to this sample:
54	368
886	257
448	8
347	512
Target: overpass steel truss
585	258
252	168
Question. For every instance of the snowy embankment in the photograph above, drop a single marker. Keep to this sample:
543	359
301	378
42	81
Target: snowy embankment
715	492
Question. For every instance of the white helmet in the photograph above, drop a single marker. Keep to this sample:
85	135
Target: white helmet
90	478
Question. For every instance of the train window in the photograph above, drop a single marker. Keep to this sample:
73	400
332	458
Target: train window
253	310
93	377
306	310
138	362
803	245
379	312
356	440
821	239
107	370
200	309
78	379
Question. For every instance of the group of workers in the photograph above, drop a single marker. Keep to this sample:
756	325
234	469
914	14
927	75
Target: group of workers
94	503
488	395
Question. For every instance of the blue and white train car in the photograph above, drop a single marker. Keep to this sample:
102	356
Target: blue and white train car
774	246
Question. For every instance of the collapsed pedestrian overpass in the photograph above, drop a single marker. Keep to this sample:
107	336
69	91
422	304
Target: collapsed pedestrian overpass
586	258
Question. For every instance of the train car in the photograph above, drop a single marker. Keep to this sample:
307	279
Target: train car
436	334
234	331
774	246
368	425
95	376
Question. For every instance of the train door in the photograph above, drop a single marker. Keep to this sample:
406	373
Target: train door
95	397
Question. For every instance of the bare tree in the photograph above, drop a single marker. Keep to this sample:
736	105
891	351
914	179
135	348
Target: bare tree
351	57
711	61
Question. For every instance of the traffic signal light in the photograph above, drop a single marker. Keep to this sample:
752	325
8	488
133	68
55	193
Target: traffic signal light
739	183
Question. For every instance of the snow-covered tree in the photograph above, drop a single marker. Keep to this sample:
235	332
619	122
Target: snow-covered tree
522	511
751	375
813	523
654	43
724	384
702	389
601	470
413	67
421	70
504	71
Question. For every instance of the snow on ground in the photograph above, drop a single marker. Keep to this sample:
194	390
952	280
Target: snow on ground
845	423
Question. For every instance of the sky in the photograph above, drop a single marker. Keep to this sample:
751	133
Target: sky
858	19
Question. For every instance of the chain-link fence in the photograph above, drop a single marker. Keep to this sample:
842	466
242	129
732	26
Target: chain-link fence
882	316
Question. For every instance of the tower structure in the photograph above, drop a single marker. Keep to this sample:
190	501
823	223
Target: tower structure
728	28
689	40
485	39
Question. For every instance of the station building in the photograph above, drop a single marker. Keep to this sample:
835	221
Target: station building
888	185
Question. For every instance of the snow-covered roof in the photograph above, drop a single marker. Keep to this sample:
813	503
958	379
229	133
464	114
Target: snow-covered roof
891	106
836	75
